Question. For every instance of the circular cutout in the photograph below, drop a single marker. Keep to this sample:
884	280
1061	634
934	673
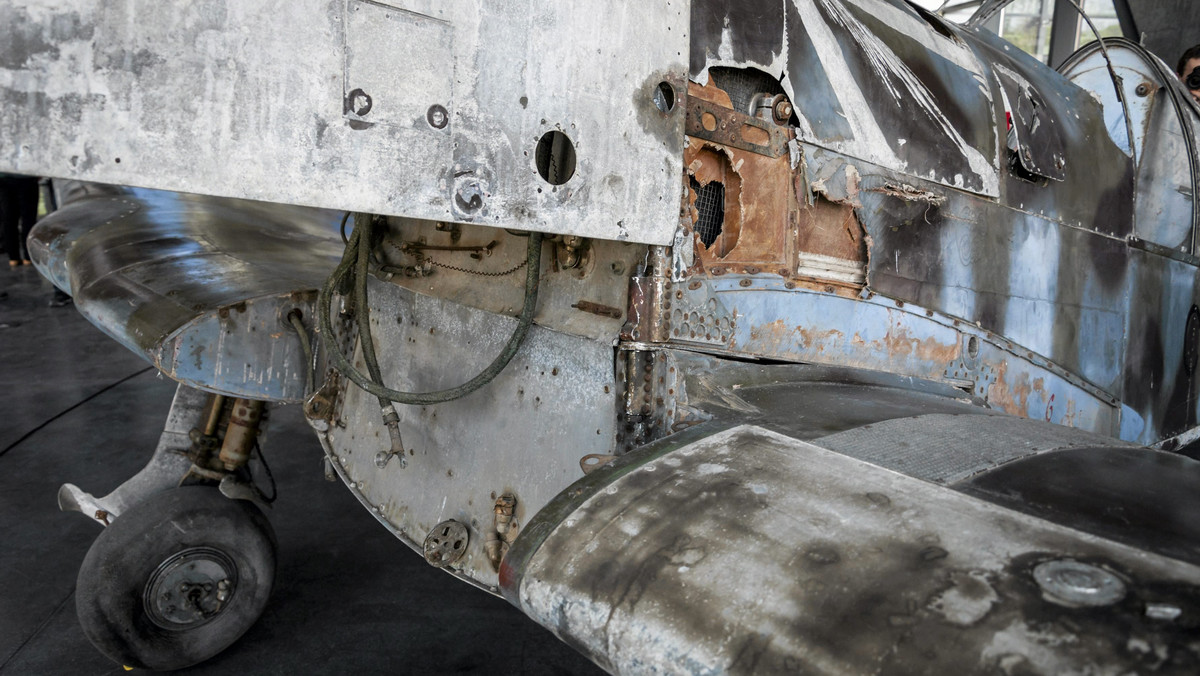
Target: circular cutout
358	102
972	347
708	121
555	156
437	117
664	97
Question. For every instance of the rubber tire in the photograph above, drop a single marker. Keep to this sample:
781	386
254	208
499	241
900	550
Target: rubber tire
108	593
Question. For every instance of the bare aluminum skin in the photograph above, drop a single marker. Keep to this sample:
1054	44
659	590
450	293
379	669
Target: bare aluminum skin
410	107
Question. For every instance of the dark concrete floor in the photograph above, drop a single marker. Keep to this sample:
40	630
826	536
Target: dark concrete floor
349	598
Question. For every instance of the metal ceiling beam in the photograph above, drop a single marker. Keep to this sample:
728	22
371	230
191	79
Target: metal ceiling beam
1125	16
1064	31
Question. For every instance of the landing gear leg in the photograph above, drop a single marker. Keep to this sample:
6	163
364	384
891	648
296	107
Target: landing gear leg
180	572
169	464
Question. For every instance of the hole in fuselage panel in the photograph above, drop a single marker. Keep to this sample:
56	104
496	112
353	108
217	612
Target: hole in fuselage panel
710	209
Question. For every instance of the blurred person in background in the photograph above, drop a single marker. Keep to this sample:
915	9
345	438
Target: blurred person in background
18	213
1188	70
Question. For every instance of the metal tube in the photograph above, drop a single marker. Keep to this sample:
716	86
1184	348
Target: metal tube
213	416
241	432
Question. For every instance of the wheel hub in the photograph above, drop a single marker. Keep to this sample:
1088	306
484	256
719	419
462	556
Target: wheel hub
190	588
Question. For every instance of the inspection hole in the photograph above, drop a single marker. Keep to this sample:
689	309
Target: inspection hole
710	207
555	157
664	97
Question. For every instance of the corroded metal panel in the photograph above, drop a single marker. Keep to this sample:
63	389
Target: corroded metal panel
751	552
409	107
199	286
1057	290
869	78
524	433
762	316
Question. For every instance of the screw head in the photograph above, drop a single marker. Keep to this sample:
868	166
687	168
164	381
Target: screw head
437	116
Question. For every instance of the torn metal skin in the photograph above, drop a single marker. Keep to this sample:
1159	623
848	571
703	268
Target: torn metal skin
771	223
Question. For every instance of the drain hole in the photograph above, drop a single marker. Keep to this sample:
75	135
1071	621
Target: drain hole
664	97
555	157
710	204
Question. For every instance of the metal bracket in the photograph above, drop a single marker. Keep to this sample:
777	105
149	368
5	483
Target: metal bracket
728	127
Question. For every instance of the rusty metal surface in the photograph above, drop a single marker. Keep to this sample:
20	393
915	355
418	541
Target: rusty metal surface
407	107
869	78
762	316
734	129
868	571
199	286
1050	273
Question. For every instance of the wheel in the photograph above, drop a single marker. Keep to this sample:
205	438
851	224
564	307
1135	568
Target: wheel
176	579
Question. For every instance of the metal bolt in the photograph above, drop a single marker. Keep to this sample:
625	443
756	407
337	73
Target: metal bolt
783	111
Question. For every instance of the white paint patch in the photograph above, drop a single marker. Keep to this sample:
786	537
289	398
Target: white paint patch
709	468
908	24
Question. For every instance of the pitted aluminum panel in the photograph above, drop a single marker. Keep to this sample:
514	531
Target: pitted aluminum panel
751	552
524	433
409	107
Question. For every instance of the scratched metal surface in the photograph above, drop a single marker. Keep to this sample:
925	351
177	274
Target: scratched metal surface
873	79
588	300
253	100
1063	273
1164	128
841	567
1053	288
524	433
199	286
759	315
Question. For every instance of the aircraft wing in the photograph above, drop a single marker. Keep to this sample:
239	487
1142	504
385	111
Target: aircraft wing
200	286
833	520
749	551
